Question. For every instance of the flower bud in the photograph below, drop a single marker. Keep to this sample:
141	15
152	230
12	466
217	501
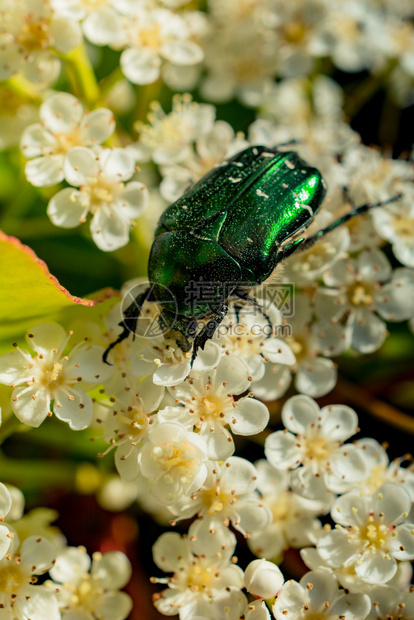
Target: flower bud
263	579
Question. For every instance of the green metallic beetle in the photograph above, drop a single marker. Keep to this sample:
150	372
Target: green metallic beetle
230	229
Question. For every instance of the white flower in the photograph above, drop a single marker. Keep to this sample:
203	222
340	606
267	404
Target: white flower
250	336
379	469
227	495
167	363
317	595
53	376
5	534
207	586
391	603
210	149
30	32
19	598
263	579
372	533
314	375
308	266
87	592
293	523
102	192
257	610
174	462
153	35
359	293
101	23
395	223
64	124
128	423
167	138
208	404
315	442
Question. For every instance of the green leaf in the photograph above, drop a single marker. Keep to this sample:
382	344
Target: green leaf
29	293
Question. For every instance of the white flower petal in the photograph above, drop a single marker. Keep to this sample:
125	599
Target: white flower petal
103	26
339	422
66	34
14	367
74	407
36	603
65	209
44	337
368	332
316	376
281	450
393	501
5	501
80	164
337	550
37	555
376	569
117	164
182	52
32	406
298	412
249	417
45	171
168	551
140	66
132	200
109	231
71	564
112	569
61	113
97	126
37	141
171	374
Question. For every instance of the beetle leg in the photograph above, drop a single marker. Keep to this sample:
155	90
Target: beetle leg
308	243
241	294
208	330
129	321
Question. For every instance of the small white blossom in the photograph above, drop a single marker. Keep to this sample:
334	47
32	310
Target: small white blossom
88	590
154	35
64	124
19	598
317	595
53	376
29	33
250	336
174	461
311	446
391	603
167	138
263	579
294	523
128	423
359	293
372	533
206	585
101	23
208	404
395	223
102	192
227	495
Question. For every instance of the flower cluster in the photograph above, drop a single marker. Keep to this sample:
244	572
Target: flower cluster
30	547
95	93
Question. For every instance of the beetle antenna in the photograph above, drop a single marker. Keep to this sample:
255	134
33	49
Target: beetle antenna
129	321
345	218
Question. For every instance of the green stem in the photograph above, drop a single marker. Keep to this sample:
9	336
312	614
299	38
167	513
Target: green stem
82	76
24	89
8	427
